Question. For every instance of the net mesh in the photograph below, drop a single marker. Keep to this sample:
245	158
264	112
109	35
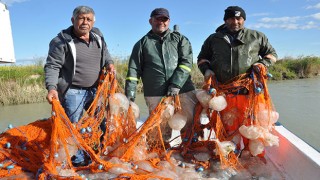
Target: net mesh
108	135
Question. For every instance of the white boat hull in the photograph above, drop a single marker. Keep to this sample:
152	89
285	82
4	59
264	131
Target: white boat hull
294	157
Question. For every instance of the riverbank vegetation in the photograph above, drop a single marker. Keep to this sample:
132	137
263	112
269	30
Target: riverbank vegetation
25	84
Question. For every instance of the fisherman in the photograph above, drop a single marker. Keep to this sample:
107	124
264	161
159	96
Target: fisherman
77	55
230	51
163	60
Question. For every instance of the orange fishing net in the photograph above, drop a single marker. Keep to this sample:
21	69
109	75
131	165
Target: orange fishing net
245	121
44	149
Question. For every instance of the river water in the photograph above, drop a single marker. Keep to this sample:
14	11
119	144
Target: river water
297	101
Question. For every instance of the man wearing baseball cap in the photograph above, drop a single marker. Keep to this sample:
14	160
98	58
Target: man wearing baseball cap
163	60
231	51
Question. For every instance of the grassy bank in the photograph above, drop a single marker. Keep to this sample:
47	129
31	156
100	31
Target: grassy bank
21	84
25	84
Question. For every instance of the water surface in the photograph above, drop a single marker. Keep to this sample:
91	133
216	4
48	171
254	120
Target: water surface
297	102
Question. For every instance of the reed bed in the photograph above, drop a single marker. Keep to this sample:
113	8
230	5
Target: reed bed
25	84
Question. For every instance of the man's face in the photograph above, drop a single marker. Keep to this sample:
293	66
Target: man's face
83	24
234	24
159	24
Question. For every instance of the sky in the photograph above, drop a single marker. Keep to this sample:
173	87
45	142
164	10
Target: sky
292	26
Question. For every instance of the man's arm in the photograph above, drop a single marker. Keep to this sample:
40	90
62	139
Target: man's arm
184	66
267	52
134	72
52	68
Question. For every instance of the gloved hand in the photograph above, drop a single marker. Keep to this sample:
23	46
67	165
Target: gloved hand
173	90
131	99
208	74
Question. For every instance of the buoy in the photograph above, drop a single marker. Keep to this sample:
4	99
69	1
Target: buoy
10	167
89	129
100	166
10	126
269	75
56	155
8	145
1	165
200	169
257	90
212	91
194	139
135	166
53	113
83	130
183	165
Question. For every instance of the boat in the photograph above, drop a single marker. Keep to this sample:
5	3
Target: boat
295	158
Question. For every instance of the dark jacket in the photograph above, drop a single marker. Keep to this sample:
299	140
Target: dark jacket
229	58
61	61
159	62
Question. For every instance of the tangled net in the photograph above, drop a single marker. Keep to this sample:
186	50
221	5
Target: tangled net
43	149
235	121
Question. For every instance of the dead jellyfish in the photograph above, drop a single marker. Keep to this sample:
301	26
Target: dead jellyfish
168	112
203	97
229	117
218	103
135	109
256	147
178	121
119	103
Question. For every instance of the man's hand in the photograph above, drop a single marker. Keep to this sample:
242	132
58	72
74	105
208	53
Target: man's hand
271	57
257	67
208	74
173	90
111	68
52	94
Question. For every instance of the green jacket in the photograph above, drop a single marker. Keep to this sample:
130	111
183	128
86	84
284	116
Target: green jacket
159	62
227	58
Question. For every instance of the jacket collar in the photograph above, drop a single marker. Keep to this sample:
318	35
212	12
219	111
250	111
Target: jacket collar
156	36
223	32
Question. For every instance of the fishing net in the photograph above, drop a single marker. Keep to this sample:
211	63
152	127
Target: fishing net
113	147
231	117
106	136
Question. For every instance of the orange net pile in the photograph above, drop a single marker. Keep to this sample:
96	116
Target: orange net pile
240	116
44	149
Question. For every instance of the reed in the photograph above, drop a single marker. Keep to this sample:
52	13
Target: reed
292	68
21	84
25	84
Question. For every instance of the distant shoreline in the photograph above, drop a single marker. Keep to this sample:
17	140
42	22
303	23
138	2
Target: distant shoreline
22	84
